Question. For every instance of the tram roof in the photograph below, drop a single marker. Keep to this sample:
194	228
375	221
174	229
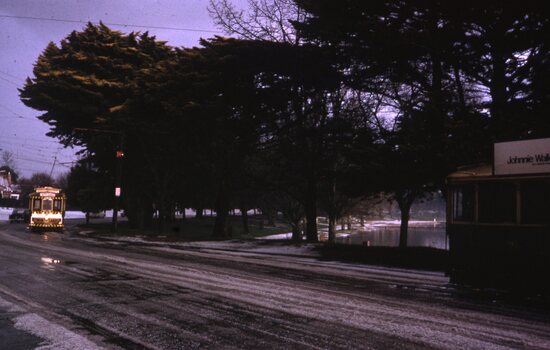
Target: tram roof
47	189
480	170
484	172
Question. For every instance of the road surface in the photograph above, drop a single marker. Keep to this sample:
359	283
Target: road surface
67	291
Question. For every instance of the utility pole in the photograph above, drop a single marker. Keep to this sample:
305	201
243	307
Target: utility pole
118	180
118	170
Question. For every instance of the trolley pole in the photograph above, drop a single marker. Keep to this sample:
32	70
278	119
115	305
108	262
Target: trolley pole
118	180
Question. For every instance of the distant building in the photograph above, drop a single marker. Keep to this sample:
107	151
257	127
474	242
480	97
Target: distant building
7	189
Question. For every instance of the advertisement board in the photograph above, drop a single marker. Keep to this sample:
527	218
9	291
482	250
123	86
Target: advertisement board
522	157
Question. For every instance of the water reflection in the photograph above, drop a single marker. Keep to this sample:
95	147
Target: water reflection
388	236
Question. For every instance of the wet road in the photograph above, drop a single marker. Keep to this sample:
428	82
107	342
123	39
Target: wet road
244	295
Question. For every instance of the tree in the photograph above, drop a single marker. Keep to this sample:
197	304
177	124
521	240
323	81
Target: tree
27	186
82	85
301	117
427	62
88	189
206	97
8	164
263	20
477	56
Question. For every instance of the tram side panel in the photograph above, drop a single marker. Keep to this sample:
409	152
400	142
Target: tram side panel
499	231
499	256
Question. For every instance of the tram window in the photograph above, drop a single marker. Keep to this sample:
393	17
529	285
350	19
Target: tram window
463	203
497	202
57	205
535	202
47	204
36	204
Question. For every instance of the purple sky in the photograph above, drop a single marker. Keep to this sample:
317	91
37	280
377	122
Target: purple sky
26	27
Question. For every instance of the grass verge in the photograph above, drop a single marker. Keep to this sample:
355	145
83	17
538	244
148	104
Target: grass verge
191	229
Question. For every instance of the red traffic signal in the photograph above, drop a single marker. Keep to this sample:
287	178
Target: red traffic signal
119	154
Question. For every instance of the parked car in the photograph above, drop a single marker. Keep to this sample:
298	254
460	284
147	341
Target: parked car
97	215
20	215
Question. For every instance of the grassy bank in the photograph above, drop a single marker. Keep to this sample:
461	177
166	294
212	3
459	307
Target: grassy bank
191	229
421	258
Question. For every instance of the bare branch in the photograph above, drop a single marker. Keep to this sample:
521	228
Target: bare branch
261	20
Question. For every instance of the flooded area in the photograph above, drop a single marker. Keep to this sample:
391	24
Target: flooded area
384	233
422	234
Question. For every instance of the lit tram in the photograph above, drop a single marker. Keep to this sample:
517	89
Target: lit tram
498	219
47	207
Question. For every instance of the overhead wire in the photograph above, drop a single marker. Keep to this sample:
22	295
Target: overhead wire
12	76
19	116
112	24
9	81
26	139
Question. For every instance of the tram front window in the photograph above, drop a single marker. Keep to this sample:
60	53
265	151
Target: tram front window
47	204
57	205
463	203
497	202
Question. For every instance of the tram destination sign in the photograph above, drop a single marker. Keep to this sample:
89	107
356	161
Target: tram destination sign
522	157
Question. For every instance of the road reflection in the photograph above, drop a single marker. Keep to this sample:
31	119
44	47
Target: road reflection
49	263
46	236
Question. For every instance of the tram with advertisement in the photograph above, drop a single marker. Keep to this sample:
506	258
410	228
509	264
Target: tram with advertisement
47	209
498	219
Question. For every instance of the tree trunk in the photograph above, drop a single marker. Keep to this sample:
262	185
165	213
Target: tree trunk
182	222
331	228
404	229
162	217
405	204
270	218
311	211
222	211
244	215
459	88
296	232
145	209
332	211
498	93
199	213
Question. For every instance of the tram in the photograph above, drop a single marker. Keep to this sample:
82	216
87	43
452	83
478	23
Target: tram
47	208
498	218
